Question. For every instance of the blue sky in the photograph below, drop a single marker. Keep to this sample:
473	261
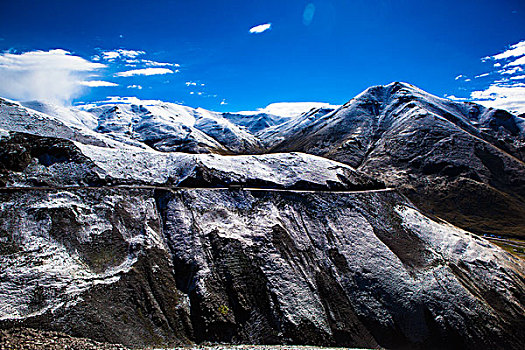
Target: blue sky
202	53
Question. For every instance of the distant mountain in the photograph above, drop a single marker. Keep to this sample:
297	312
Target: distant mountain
460	161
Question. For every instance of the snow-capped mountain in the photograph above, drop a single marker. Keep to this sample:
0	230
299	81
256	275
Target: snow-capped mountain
171	127
451	158
439	151
154	224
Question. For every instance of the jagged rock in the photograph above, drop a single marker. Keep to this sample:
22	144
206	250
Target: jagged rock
151	267
29	160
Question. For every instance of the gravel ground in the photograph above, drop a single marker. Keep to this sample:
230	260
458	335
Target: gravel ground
31	339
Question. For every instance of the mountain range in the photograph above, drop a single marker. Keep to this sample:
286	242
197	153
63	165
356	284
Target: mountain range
156	224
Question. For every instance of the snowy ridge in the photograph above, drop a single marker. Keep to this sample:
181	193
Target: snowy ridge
289	110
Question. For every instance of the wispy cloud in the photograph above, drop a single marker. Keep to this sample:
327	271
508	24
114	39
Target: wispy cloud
145	71
151	63
260	28
97	83
123	100
139	87
193	83
504	86
130	58
506	96
481	75
55	76
113	55
519	62
515	50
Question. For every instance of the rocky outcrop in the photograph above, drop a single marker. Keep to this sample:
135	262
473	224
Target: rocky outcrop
152	267
28	160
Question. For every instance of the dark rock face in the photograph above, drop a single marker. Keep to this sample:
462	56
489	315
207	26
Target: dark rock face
158	267
91	263
31	160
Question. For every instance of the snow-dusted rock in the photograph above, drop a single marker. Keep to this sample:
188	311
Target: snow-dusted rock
29	160
159	267
165	259
172	127
460	161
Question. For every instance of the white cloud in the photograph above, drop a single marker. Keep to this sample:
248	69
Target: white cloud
191	83
452	97
290	109
509	97
144	71
482	75
511	71
515	50
130	58
120	54
54	76
504	88
260	28
148	63
519	62
139	87
97	83
223	102
151	63
459	77
130	99
514	56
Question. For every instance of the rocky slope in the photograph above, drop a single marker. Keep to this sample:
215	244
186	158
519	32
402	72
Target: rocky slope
459	161
105	237
159	267
32	339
